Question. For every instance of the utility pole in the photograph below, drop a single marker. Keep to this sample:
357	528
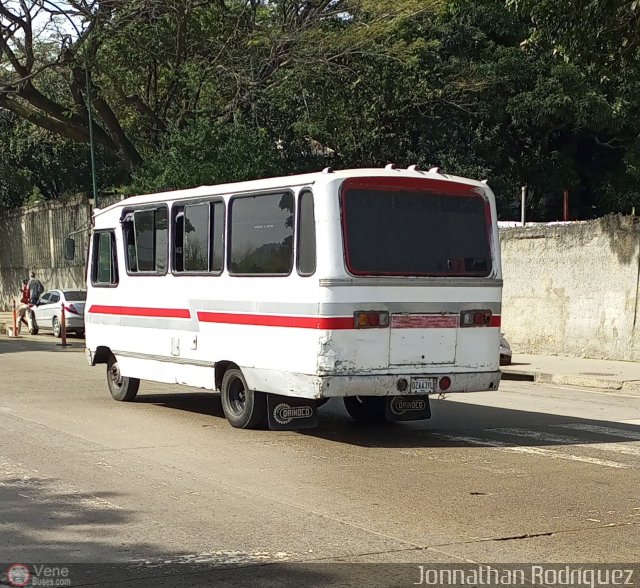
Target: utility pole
91	147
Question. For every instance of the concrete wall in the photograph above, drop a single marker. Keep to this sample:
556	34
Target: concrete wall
573	289
32	238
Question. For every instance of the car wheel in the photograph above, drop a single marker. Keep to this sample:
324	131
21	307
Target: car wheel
244	408
57	327
365	409
121	388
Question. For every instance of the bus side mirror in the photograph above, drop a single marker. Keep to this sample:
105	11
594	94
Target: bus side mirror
69	249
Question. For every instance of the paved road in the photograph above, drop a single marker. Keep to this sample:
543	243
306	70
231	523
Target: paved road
166	488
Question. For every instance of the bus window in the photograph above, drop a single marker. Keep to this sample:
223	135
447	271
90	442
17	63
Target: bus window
104	269
217	237
161	240
178	242
306	257
198	242
146	239
196	238
261	236
130	244
143	226
415	230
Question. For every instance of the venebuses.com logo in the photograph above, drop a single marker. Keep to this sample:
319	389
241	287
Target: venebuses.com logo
20	575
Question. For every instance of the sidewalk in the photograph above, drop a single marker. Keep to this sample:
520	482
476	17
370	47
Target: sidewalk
572	371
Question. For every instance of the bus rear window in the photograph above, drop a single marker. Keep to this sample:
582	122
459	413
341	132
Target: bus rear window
415	228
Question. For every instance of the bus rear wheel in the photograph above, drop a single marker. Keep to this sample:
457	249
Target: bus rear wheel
365	409
121	388
244	408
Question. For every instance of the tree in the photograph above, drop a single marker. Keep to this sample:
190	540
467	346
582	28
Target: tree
604	34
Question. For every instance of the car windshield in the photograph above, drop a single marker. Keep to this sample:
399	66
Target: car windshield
75	295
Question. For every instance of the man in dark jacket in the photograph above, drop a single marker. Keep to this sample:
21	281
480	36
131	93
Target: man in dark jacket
35	288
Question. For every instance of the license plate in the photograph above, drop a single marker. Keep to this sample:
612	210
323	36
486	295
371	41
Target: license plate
422	385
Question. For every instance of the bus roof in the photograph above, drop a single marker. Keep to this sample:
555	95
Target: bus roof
285	181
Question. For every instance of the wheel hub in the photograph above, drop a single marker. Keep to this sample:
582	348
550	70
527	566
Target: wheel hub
115	375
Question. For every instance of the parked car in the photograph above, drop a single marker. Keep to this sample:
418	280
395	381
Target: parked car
505	351
47	313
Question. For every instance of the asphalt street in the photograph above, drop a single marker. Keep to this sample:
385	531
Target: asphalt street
164	491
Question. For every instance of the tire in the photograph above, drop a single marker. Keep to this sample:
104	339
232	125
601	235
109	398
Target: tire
121	388
365	409
57	327
244	408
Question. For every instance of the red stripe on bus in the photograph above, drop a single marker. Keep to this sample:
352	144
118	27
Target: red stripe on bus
300	322
138	311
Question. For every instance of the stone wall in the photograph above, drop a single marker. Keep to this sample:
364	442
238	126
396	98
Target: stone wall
572	289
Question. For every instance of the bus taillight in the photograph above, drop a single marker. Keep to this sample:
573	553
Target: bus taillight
367	319
475	318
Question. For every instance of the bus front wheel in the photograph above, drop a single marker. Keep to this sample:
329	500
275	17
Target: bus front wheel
365	409
121	388
244	408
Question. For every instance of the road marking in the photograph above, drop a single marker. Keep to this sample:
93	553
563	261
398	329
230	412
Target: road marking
566	440
502	446
634	435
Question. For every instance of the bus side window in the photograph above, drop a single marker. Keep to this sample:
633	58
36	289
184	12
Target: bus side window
178	241
196	237
261	234
306	255
104	264
217	237
160	239
130	244
146	238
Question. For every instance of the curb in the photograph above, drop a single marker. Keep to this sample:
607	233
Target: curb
571	380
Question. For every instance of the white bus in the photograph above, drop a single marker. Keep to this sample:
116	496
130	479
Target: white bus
379	286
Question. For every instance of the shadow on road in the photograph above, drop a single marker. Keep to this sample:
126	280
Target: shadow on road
195	402
33	510
450	424
27	343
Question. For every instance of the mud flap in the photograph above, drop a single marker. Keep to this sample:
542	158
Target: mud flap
407	408
290	414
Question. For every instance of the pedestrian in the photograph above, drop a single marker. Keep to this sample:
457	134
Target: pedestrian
35	289
23	308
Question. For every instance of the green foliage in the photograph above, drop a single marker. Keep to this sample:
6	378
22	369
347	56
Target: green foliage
205	154
521	92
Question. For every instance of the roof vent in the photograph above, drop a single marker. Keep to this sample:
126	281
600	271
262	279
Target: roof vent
390	166
434	170
327	170
413	168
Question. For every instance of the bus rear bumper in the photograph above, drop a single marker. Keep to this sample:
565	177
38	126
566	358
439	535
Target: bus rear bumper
405	384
